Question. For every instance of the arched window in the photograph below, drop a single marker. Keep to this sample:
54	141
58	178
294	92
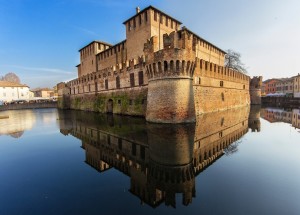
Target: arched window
165	66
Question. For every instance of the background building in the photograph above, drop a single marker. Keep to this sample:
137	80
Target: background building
285	86
43	92
297	86
10	91
269	86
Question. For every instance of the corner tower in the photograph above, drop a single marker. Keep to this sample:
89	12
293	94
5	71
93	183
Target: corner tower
170	78
255	90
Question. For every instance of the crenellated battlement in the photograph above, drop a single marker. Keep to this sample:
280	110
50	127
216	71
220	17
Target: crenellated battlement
177	58
212	70
170	73
256	82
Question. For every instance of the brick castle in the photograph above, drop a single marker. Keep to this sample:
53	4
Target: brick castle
161	71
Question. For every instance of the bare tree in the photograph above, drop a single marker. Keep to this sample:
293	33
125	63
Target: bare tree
233	61
11	77
232	148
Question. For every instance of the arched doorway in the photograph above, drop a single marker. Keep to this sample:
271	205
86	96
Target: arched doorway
110	106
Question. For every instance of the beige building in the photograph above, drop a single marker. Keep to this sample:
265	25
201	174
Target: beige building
10	91
297	86
43	92
296	118
285	86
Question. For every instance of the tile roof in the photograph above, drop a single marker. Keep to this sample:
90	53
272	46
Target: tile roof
11	84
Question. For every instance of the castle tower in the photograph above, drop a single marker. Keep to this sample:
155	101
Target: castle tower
255	90
170	72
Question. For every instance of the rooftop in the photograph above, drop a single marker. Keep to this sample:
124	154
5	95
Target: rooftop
151	7
11	84
184	28
41	89
95	41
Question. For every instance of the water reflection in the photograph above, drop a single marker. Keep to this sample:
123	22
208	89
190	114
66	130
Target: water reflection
162	161
17	123
291	116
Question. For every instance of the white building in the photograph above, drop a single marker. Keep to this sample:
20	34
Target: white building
10	91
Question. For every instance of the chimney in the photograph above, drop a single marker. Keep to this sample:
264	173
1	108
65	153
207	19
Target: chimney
137	10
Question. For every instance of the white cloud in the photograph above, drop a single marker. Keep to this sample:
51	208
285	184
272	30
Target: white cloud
41	69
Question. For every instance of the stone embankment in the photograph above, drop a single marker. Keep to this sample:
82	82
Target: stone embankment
28	106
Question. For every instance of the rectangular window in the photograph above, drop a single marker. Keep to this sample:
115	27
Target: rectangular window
146	17
141	78
134	23
106	84
108	139
140	19
172	24
120	143
167	20
129	26
118	82
155	16
142	152
132	80
161	19
133	149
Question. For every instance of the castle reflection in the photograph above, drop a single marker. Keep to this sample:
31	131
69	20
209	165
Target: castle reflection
162	160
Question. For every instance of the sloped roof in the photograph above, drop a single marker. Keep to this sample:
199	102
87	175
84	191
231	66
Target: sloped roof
41	89
11	84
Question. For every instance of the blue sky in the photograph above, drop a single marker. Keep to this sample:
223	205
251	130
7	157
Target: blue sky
40	39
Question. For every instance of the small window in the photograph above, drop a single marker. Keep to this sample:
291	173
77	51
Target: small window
132	80
221	83
118	82
106	84
129	26
133	149
130	102
119	102
146	17
155	16
141	78
120	143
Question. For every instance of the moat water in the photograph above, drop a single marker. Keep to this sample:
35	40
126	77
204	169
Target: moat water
241	161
